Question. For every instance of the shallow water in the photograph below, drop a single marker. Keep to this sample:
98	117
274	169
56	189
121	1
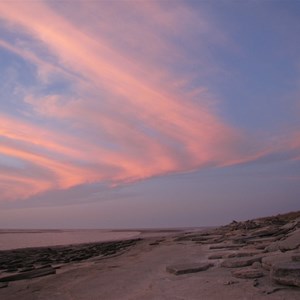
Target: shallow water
13	239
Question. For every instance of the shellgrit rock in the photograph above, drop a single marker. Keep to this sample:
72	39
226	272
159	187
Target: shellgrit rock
188	268
247	273
278	257
287	273
241	262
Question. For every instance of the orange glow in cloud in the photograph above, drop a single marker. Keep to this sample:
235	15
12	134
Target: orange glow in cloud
125	123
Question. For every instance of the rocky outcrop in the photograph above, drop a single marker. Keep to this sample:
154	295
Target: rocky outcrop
262	246
28	262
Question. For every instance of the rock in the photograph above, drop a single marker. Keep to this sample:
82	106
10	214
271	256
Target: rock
263	240
256	265
255	282
296	257
230	282
206	238
290	225
269	261
12	260
286	273
29	274
11	270
244	253
26	269
226	246
272	290
273	247
265	231
3	285
240	262
250	224
291	242
217	256
188	268
247	273
261	246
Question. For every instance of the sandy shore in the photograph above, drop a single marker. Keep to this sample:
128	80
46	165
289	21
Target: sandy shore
211	263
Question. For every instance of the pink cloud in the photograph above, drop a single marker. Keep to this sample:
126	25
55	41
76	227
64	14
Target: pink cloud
128	121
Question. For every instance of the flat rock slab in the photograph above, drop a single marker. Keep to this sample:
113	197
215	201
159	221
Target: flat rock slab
188	268
286	273
262	240
29	274
240	262
247	273
201	238
22	259
218	256
244	253
226	246
270	260
265	231
296	257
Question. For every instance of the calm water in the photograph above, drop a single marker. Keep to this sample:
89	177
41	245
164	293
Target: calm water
13	239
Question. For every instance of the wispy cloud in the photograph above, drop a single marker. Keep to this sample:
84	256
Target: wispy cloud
126	115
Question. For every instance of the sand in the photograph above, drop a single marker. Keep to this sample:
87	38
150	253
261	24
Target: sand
140	272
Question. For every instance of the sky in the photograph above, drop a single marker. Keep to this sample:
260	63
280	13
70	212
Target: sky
137	114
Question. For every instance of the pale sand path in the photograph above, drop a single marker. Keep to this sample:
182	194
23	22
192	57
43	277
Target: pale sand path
140	273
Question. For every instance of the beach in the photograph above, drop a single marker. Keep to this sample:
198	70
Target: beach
254	259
